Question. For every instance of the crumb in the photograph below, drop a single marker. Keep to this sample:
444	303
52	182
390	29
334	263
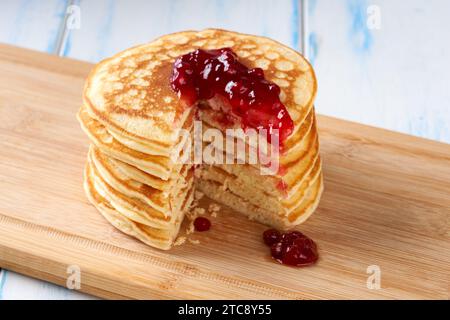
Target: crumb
199	211
198	195
190	215
194	241
213	207
179	241
194	204
190	228
194	212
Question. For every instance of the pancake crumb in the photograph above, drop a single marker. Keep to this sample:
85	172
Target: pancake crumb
190	228
179	241
199	211
194	241
213	209
194	204
190	213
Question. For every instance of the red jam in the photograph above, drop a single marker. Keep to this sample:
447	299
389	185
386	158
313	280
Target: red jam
291	248
282	186
271	237
202	74
202	224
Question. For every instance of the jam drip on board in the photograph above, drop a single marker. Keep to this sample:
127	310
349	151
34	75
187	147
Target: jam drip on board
202	74
202	224
291	248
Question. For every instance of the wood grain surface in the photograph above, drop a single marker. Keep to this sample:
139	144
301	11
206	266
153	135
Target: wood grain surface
387	203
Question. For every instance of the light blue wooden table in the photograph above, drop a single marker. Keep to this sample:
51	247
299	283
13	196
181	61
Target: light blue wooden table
380	62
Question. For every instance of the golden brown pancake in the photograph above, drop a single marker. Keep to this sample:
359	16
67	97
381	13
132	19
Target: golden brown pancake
135	122
156	237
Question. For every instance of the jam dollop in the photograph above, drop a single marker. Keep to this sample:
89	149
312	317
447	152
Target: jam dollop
291	248
202	224
202	74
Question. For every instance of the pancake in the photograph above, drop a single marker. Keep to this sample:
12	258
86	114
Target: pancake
136	209
130	92
119	179
292	167
137	125
157	166
256	193
217	192
138	175
159	238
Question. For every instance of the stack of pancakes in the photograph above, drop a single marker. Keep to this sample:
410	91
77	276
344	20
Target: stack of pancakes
135	123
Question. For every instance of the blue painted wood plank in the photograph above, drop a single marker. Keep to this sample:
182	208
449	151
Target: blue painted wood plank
394	77
19	287
109	26
31	23
2	281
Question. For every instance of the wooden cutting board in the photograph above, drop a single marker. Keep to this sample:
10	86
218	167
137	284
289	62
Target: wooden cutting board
386	204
